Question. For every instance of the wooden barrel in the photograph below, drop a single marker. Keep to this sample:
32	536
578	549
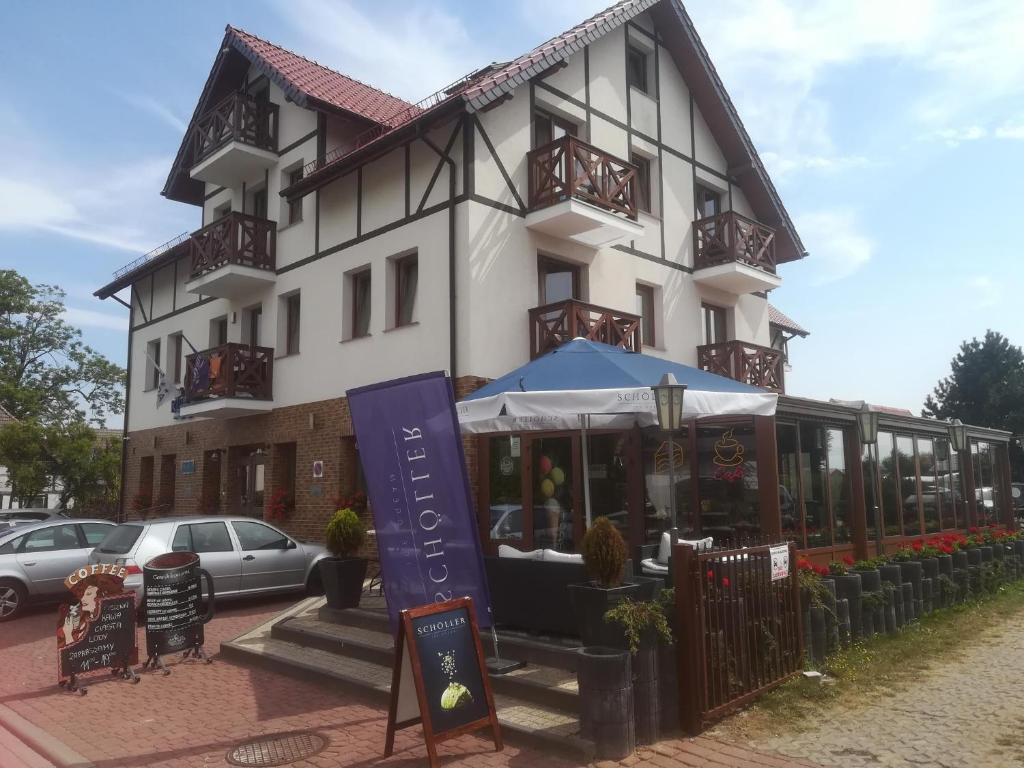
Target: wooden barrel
909	612
646	705
849	587
668	686
605	678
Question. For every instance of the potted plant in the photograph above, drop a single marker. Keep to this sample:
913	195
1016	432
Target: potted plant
342	574
850	588
643	623
604	556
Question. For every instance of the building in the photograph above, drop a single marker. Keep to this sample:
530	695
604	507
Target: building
601	185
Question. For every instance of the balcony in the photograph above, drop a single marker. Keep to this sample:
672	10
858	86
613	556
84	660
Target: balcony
734	254
232	257
554	324
749	363
580	193
229	381
235	141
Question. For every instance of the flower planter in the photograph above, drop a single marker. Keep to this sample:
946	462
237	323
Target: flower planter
929	568
818	637
668	687
831	618
342	579
927	597
646	702
849	587
590	603
843	621
1018	548
605	679
986	554
998	550
891	617
911	572
871	579
891	573
867	624
974	556
945	565
909	603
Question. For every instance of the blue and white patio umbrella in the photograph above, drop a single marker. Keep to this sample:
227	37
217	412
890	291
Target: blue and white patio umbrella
609	386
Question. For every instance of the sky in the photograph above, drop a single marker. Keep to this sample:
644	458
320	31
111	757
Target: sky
894	132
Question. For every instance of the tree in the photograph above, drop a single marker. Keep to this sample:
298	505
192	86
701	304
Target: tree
22	453
46	372
986	388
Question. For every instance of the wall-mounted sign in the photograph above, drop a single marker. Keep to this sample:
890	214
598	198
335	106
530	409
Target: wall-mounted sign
173	593
188	466
507	466
97	631
318	469
780	561
440	678
514	447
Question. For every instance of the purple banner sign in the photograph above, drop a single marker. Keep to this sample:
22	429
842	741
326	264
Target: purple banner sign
411	450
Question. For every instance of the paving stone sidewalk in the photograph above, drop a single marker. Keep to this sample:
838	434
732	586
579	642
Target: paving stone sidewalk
191	718
964	713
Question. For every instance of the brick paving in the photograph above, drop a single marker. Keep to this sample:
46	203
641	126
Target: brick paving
965	713
192	717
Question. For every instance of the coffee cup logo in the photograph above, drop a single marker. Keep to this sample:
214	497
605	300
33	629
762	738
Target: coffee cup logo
728	451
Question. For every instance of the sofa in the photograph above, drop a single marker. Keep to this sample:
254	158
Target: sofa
656	559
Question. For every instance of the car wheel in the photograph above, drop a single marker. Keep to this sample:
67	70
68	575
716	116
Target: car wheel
12	599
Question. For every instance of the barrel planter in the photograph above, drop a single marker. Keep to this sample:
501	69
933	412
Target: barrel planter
909	603
962	558
986	554
998	550
890	611
605	678
1018	548
929	568
818	637
961	576
867	624
849	588
646	703
668	687
891	573
843	621
870	579
945	565
974	556
927	597
831	618
911	572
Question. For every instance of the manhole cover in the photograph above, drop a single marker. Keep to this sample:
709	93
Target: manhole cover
283	749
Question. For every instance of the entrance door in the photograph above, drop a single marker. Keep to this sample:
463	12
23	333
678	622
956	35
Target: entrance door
557	507
250	484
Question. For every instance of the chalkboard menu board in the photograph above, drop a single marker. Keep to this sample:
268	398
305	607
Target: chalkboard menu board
105	637
173	595
439	647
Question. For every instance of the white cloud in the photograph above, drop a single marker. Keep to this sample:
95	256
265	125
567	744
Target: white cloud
90	318
156	108
837	246
411	53
954	137
1011	129
985	292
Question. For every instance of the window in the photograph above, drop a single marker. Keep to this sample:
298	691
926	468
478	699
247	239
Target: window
645	308
947	486
406	277
259	203
907	463
295	206
548	127
251	329
505	471
789	483
168	465
930	498
174	349
714	324
120	540
218	332
888	479
221	211
558	281
254	536
360	303
709	202
94	532
643	181
730	505
52	539
293	305
202	537
153	364
636	68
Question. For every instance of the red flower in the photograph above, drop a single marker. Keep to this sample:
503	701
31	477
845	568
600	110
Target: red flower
918	545
711	575
973	529
848	559
822	570
725	582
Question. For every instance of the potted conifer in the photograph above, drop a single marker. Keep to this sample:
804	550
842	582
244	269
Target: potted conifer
604	556
343	573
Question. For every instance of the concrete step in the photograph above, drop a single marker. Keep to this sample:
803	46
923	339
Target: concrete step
522	721
549	686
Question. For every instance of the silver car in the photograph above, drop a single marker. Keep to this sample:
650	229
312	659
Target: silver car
243	555
37	556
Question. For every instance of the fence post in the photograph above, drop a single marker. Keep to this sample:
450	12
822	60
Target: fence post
796	605
688	646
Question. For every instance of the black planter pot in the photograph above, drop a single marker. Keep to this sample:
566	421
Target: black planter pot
831	618
668	687
961	559
1018	548
605	679
892	573
590	603
909	603
342	578
927	597
945	565
975	556
871	580
843	622
929	568
998	550
912	572
646	701
849	587
890	615
986	554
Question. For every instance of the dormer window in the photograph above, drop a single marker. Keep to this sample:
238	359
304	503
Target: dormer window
636	68
709	202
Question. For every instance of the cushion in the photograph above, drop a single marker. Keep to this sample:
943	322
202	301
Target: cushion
554	556
665	548
504	550
699	544
653	567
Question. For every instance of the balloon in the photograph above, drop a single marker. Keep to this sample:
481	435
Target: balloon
558	475
547	488
544	465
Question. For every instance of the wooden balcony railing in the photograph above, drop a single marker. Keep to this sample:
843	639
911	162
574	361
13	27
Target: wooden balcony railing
568	167
554	324
237	238
749	363
230	370
239	117
730	237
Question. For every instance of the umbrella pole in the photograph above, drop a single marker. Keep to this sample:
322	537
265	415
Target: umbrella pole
584	418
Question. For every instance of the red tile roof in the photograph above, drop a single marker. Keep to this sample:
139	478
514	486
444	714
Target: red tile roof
297	75
777	317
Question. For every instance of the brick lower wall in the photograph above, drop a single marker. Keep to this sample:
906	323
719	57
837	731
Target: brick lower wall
320	431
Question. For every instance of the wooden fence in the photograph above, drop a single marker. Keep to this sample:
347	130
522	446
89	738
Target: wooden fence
738	630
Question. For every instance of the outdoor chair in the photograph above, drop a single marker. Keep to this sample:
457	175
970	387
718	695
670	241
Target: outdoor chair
656	559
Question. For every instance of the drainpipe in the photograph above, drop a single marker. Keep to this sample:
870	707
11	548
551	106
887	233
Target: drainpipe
127	404
452	327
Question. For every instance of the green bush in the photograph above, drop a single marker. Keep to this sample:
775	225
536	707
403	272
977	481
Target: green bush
345	533
604	553
638	618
